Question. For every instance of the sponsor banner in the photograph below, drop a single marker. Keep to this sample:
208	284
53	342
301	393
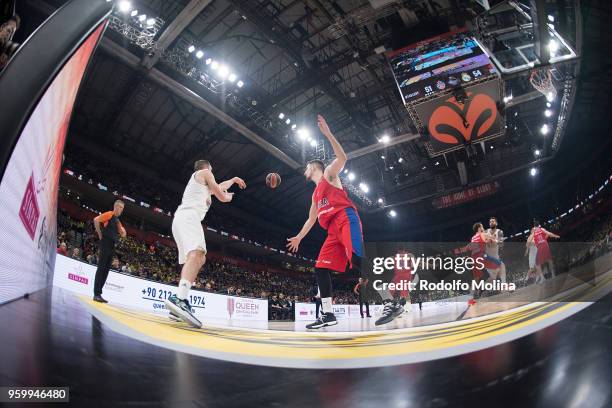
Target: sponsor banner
149	296
470	194
306	311
29	187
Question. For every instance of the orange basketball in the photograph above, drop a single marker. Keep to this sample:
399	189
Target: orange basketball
273	180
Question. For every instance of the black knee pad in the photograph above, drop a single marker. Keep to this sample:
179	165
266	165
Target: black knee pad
324	282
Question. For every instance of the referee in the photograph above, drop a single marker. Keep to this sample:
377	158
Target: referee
360	291
109	229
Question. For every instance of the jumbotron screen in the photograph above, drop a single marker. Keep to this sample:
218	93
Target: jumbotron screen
442	62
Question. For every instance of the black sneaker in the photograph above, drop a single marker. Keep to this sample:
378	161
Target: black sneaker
391	310
99	298
182	309
326	319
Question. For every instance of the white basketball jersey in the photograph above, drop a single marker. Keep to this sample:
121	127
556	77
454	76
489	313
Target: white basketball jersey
196	197
492	248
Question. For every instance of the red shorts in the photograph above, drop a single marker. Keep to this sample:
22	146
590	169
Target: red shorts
404	276
344	238
543	254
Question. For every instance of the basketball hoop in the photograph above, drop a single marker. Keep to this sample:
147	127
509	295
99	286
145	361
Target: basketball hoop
541	79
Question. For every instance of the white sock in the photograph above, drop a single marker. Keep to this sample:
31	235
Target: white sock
183	289
326	305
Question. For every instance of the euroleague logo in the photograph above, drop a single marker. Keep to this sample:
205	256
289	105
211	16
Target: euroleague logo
454	122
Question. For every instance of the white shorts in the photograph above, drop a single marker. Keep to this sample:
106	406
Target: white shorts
188	233
533	254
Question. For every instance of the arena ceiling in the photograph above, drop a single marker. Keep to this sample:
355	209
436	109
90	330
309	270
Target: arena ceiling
153	104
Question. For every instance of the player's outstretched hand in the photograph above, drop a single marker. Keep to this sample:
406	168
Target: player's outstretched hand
323	127
294	243
240	182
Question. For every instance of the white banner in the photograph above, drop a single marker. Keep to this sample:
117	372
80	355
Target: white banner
149	296
306	311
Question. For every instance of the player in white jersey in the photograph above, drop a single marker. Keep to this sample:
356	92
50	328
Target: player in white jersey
189	235
492	250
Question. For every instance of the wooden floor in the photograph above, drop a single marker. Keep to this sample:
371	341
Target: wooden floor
502	353
53	339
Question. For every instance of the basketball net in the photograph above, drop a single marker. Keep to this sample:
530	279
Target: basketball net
541	79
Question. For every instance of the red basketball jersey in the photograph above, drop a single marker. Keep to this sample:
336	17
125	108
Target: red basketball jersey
329	200
478	244
540	237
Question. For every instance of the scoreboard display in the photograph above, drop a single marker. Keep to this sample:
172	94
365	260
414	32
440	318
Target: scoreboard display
438	64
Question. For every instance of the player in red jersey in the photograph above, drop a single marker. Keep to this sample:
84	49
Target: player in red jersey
478	245
543	257
336	214
403	274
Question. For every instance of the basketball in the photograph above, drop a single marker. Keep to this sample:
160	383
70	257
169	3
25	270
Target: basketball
273	180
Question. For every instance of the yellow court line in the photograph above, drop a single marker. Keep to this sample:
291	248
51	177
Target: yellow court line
330	345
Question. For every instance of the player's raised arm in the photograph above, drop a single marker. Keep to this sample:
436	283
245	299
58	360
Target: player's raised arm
550	234
294	242
225	185
206	177
338	163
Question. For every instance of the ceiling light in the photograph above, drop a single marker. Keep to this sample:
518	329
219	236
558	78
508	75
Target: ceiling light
537	152
303	134
548	113
384	139
553	46
191	49
551	18
125	6
223	71
351	176
288	121
544	129
550	97
400	160
392	213
214	65
533	171
364	187
142	17
281	115
380	201
313	143
293	126
199	54
382	157
232	77
150	22
240	84
548	104
134	13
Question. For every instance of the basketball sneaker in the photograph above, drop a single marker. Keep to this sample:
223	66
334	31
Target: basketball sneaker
326	319
182	309
174	317
391	310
